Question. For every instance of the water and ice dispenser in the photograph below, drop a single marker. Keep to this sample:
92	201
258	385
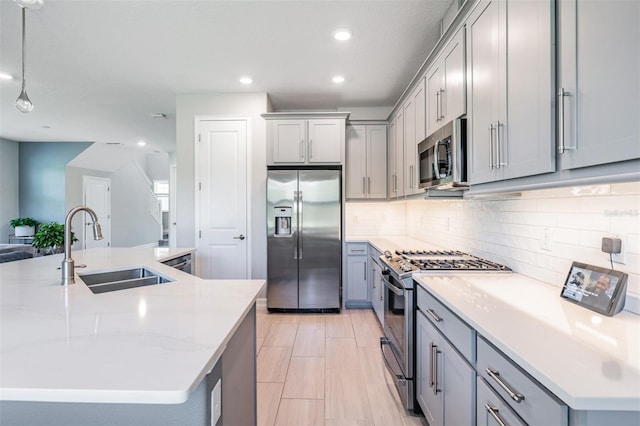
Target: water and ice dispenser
282	217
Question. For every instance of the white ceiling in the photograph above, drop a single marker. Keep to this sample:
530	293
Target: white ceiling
98	69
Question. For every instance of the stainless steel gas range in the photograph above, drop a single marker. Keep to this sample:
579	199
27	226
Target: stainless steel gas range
397	344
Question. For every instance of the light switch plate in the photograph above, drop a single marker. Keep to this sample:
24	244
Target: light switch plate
216	402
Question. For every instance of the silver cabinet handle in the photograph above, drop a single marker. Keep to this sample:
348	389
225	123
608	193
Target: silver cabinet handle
434	360
364	185
433	315
300	151
395	182
365	269
495	375
494	413
369	185
437	106
491	146
239	237
310	148
561	145
432	366
441	108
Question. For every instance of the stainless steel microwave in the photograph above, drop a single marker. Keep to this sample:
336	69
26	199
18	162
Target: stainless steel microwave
443	157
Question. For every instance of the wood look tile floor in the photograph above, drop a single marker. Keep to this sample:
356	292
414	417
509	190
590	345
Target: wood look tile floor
324	369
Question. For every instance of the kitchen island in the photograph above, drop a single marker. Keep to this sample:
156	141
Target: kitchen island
144	355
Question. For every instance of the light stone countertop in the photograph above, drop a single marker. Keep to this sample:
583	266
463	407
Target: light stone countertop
149	344
590	361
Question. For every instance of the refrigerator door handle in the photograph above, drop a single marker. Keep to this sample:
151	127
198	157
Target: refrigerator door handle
300	231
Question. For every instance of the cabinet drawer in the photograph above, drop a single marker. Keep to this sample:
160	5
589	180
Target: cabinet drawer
457	331
529	399
491	409
357	249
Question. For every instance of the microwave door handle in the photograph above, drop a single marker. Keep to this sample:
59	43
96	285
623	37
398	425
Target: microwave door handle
436	161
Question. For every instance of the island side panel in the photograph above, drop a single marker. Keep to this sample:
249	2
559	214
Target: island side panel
239	390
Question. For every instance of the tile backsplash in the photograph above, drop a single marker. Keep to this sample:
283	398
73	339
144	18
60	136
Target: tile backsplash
536	233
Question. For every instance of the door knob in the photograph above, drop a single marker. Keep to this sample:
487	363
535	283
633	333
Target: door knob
239	237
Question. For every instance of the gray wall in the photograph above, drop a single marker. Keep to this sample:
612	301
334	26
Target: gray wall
42	178
9	178
223	105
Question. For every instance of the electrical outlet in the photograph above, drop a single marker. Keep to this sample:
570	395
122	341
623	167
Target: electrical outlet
545	241
622	256
216	402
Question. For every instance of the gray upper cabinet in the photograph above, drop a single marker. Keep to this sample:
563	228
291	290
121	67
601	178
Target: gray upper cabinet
366	167
509	94
396	155
599	87
305	138
446	85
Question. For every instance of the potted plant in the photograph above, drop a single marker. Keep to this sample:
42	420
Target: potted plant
50	238
24	226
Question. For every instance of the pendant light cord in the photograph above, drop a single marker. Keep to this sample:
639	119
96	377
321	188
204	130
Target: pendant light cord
24	46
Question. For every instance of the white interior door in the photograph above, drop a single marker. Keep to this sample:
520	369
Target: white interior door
221	214
97	196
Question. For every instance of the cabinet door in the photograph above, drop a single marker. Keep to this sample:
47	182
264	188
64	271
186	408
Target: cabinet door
420	104
526	144
410	148
289	141
357	286
483	90
376	161
599	62
399	156
434	82
431	402
356	167
453	101
325	141
391	158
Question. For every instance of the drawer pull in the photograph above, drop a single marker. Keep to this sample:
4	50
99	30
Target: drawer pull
433	315
494	413
494	374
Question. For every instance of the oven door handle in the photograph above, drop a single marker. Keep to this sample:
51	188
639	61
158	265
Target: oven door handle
398	377
393	288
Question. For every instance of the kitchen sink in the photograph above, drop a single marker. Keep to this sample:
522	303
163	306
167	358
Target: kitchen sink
122	279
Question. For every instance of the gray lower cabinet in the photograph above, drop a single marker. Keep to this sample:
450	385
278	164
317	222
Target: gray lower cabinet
445	382
492	410
530	400
357	294
377	285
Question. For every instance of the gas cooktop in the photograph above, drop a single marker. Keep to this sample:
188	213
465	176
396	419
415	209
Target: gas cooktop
405	262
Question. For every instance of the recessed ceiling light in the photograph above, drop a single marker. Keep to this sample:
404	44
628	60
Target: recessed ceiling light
4	76
141	143
342	34
45	126
338	79
246	80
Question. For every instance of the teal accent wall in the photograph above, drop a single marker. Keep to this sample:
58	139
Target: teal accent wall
42	178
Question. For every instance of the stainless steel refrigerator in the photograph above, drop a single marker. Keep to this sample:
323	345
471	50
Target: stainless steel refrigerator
304	240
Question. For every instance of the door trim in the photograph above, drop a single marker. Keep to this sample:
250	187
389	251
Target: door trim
196	121
84	202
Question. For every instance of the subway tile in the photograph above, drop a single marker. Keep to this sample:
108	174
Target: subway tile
625	188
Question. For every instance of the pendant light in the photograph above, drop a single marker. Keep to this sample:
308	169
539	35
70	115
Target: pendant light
23	103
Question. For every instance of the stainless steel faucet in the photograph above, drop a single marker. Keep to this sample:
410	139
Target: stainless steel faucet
68	271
